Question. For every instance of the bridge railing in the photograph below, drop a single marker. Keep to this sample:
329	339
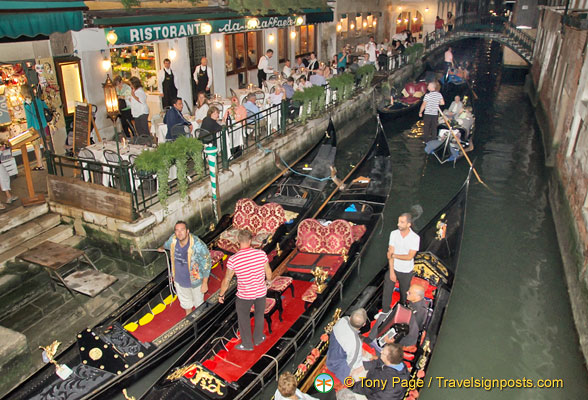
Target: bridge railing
473	23
524	39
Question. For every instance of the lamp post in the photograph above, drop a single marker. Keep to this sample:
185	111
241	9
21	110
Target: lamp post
111	100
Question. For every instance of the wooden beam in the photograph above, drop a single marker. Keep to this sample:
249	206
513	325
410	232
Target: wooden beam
90	197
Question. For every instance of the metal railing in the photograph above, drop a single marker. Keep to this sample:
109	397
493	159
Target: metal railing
234	140
466	25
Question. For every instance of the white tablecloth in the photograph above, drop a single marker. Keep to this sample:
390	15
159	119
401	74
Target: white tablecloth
161	130
125	153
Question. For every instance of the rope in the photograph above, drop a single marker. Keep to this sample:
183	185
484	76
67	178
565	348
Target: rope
170	283
267	151
276	361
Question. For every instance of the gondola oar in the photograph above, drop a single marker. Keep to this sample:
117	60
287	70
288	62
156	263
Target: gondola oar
461	148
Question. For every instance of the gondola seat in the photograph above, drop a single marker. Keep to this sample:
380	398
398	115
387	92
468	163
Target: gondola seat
281	283
272	305
413	92
261	221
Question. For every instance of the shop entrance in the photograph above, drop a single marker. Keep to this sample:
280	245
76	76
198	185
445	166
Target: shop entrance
197	50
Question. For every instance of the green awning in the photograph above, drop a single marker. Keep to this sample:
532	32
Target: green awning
32	18
318	17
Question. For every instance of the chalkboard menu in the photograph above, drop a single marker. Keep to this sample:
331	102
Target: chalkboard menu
82	126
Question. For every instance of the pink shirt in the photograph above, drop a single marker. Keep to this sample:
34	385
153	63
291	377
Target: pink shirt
249	266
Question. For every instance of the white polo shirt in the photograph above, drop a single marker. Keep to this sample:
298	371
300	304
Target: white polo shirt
402	246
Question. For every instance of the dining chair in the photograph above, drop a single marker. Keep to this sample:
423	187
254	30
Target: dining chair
114	161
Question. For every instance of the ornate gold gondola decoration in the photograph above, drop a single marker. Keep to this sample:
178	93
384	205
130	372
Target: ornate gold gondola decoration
199	377
320	278
127	397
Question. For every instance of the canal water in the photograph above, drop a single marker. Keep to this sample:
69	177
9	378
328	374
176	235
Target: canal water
509	316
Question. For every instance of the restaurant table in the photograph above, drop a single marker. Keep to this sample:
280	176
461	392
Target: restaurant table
125	153
161	130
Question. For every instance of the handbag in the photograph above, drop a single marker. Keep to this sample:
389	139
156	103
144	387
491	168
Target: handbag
48	114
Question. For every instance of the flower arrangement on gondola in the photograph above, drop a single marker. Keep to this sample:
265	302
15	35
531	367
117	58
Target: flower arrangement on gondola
160	160
319	349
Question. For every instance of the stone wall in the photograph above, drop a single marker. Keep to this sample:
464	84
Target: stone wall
558	88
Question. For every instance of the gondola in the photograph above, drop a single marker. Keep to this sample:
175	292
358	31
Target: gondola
151	325
404	103
445	147
214	368
435	268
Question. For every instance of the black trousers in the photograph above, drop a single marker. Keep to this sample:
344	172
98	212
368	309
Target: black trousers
261	77
404	279
429	130
125	120
142	124
243	316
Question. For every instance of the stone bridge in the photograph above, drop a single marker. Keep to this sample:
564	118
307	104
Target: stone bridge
504	32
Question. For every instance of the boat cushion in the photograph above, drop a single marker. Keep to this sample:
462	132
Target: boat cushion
269	305
280	283
310	294
216	256
256	219
306	259
228	240
335	238
409	100
261	221
333	262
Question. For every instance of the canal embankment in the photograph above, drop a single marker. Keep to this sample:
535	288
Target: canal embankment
558	91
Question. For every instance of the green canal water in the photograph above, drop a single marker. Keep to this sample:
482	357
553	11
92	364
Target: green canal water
509	316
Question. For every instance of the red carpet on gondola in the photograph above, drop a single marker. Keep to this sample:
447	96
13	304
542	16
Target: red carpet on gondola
173	313
233	364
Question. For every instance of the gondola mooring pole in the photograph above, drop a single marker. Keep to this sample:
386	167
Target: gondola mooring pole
211	152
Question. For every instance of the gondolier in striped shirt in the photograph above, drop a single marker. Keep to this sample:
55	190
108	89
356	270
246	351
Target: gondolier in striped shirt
431	102
253	274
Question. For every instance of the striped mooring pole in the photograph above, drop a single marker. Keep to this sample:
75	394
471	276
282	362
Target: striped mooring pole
211	152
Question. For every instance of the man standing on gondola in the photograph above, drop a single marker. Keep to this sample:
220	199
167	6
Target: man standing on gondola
253	275
402	248
203	77
190	266
430	107
167	84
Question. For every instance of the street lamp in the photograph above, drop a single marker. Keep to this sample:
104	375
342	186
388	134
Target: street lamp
111	101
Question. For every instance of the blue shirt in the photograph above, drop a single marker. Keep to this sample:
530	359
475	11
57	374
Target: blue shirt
342	63
172	118
182	277
251	109
289	91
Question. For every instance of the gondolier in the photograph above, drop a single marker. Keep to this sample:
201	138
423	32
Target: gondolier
263	67
402	247
190	266
167	84
203	77
253	272
430	106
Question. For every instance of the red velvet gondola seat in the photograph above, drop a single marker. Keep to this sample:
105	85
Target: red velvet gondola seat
261	221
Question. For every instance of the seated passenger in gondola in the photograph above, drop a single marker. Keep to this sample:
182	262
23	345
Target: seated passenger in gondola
287	389
466	119
454	109
345	355
388	368
418	308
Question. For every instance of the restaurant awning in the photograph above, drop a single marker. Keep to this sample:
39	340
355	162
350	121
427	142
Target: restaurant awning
33	18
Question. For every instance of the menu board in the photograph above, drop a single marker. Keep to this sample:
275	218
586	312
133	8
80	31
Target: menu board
82	126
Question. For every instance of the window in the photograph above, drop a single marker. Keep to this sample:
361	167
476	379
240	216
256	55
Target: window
306	42
283	44
242	51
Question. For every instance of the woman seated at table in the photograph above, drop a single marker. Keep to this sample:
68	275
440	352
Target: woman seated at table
174	117
201	108
210	123
236	111
277	96
302	84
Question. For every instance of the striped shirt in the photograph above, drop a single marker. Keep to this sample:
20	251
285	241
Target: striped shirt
248	264
432	99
